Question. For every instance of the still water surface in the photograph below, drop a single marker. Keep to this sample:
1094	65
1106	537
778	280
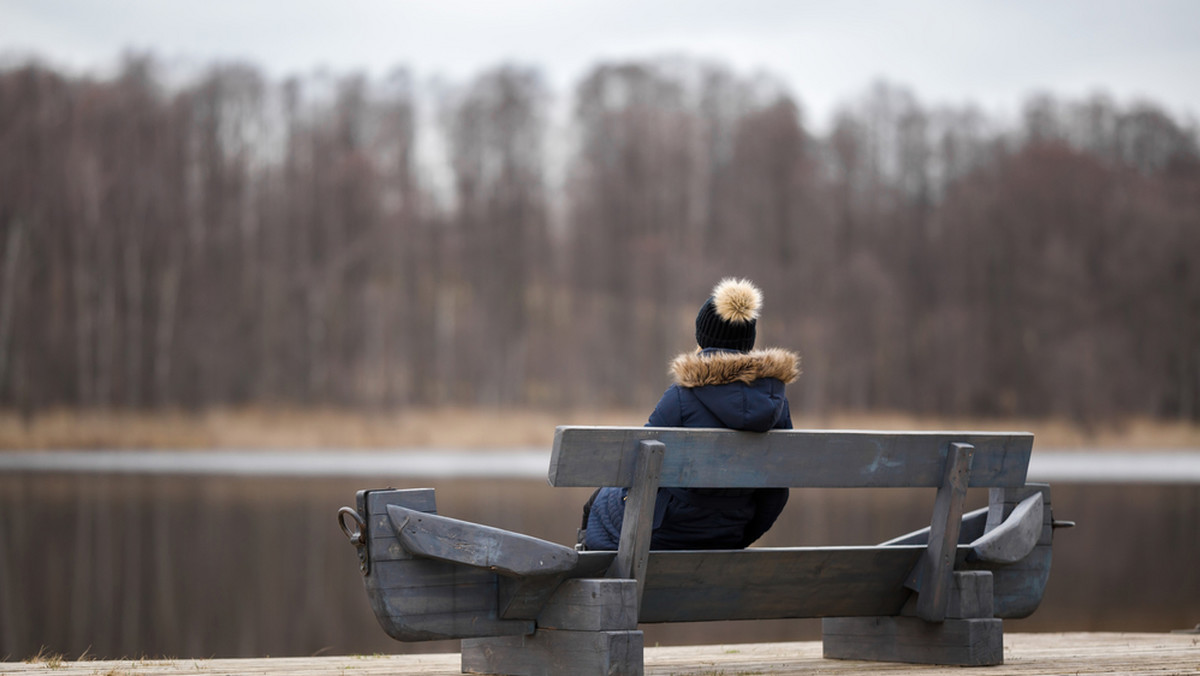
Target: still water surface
1076	466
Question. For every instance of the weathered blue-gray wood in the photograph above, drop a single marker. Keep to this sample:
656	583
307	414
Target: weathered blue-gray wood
372	506
420	499
971	528
972	595
784	582
1004	501
759	583
1003	532
638	521
770	583
524	605
1015	537
522	598
937	565
591	605
555	652
403	626
421	599
972	643
424	599
472	544
1020	586
420	573
605	456
525	597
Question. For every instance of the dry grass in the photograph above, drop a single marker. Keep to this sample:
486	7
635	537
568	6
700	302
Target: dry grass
46	659
293	428
477	428
1128	433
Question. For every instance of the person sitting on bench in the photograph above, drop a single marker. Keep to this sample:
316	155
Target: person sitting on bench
726	384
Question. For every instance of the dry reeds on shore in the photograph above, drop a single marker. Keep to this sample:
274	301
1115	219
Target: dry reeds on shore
451	427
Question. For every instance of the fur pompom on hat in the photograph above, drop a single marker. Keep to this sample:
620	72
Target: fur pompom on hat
729	317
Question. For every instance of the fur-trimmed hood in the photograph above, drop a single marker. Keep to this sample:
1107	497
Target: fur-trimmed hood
737	390
721	367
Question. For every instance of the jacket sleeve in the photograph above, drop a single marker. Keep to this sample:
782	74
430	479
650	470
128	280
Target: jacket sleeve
669	411
768	504
785	417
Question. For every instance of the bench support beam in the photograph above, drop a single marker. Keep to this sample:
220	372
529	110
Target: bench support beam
970	643
937	566
589	626
552	652
633	550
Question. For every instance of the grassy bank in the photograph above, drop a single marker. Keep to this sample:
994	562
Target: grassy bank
480	428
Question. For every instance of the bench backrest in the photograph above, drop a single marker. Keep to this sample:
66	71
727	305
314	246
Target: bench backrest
646	458
607	456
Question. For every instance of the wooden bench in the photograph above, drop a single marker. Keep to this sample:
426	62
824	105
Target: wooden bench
523	605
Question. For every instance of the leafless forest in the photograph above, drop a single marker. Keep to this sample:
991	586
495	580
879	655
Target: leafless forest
338	240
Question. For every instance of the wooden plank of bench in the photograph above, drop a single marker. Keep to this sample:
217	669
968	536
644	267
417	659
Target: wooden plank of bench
1020	585
449	625
972	595
591	605
994	536
972	527
972	642
419	599
422	599
637	524
787	582
605	456
472	544
555	651
524	598
937	566
1015	537
770	583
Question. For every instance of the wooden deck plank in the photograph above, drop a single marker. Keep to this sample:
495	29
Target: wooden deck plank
1024	655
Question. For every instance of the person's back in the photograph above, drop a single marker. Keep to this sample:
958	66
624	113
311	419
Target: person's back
724	384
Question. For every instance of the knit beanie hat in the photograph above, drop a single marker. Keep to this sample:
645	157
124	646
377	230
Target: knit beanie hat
728	318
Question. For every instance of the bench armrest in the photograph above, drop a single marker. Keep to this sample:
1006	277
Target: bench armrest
1015	537
472	544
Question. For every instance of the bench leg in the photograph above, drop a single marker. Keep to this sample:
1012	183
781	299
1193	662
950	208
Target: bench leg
970	636
973	643
588	626
551	652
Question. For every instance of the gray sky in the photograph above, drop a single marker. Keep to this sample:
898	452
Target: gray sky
994	54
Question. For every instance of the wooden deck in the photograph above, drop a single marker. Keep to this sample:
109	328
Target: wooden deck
1023	654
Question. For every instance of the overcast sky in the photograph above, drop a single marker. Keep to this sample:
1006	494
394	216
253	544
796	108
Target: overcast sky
994	54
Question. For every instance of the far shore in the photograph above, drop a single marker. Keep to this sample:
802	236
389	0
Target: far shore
478	428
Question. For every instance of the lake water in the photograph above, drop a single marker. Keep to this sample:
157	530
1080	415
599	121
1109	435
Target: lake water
1107	466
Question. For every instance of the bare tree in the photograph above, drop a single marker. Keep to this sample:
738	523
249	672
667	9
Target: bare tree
238	240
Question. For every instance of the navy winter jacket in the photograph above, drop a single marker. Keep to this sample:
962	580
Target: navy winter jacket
713	388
